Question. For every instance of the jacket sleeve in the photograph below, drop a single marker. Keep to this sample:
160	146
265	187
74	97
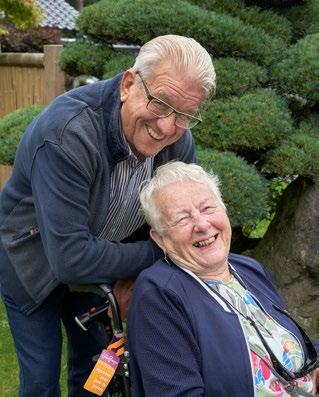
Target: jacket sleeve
164	355
61	193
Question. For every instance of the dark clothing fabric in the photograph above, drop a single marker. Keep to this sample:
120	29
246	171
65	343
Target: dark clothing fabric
38	339
182	342
52	210
55	204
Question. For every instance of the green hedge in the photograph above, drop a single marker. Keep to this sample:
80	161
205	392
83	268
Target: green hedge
299	154
310	125
245	192
83	57
272	23
12	127
229	6
257	120
304	18
298	72
117	64
138	21
296	156
237	76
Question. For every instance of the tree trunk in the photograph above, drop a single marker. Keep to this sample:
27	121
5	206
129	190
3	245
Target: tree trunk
290	251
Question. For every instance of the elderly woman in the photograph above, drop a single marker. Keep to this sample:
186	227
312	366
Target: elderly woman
202	321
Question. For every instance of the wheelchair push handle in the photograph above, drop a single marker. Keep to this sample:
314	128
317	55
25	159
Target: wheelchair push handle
105	291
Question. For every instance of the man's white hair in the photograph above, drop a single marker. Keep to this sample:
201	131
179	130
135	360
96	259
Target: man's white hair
184	53
175	171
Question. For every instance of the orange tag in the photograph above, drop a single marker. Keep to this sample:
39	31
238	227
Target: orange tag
102	372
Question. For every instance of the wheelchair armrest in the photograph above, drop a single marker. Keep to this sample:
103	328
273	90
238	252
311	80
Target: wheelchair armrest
100	289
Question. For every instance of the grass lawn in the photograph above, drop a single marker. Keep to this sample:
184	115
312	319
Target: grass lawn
9	372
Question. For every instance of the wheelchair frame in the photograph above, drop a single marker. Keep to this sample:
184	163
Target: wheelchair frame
120	385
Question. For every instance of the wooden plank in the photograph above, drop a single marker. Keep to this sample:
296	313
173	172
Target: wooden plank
25	81
24	59
5	173
54	77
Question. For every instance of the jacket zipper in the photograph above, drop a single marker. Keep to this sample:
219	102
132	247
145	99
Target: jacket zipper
30	233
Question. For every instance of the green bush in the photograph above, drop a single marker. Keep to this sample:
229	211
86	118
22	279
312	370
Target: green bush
297	155
117	64
304	18
273	3
139	21
12	127
237	76
272	23
244	191
310	125
257	120
229	6
298	72
83	57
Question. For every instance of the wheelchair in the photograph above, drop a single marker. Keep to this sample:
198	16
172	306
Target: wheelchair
120	385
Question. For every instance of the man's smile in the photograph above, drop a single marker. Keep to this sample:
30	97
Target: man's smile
155	135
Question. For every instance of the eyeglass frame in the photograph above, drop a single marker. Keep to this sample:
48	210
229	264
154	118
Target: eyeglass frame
150	97
311	360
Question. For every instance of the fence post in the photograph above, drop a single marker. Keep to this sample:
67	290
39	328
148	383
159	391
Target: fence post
54	77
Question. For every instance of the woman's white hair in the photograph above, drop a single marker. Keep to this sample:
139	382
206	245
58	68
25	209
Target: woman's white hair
184	53
175	171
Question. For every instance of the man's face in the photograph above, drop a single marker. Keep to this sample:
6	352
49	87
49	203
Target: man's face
147	134
196	232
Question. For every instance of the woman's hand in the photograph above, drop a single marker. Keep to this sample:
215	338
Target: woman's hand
315	379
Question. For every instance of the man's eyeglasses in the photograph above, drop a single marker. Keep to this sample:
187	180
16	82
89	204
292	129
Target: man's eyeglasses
162	109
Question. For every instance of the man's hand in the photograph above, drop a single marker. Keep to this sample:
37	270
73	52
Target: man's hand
123	291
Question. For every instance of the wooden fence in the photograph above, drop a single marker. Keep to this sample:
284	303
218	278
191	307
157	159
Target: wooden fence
27	79
5	173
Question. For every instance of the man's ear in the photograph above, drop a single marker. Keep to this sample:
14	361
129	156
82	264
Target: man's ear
127	82
158	239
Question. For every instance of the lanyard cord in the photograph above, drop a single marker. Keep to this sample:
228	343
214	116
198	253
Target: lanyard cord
292	389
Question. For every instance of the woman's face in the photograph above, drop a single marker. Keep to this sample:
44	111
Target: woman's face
196	232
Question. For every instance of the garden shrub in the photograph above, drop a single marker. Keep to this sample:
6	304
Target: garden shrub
304	18
139	21
86	58
12	127
244	190
273	3
117	64
309	125
298	155
237	76
272	23
28	40
228	6
255	121
298	72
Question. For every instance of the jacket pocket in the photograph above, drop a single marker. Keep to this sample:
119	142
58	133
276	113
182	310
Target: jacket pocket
21	239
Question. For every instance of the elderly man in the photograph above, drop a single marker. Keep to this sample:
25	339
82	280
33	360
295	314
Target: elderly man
204	322
70	211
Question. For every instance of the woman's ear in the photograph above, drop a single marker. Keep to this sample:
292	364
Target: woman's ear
158	239
127	82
